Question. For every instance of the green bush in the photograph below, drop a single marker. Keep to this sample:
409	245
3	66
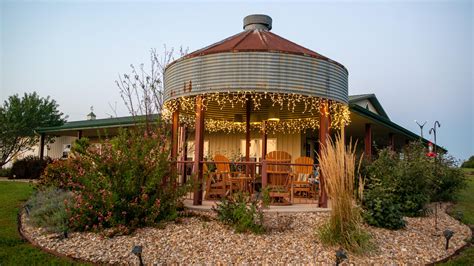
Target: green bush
125	183
396	186
47	209
241	212
5	172
448	179
381	209
468	163
29	167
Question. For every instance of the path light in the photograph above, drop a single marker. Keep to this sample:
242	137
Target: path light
340	256
448	234
137	250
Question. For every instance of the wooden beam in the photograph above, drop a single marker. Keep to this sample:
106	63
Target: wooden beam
198	151
323	139
41	148
368	141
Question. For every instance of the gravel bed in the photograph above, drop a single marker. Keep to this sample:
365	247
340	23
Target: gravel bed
200	239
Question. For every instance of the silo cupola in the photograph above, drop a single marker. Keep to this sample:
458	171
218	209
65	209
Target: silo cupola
258	22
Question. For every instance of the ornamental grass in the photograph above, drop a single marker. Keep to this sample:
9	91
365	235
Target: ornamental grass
344	228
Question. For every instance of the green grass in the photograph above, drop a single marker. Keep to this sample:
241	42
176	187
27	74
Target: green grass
465	204
13	250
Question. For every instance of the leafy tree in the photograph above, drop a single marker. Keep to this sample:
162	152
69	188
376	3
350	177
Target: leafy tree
19	117
469	163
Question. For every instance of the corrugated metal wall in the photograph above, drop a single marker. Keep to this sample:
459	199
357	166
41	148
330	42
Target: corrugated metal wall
259	72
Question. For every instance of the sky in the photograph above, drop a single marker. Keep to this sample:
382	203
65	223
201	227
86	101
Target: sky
417	57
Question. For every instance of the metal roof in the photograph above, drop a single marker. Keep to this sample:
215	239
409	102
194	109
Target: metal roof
256	40
386	122
97	123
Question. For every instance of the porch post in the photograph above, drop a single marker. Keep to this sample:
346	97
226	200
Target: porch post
264	140
323	138
79	134
368	141
198	151
174	143
391	141
247	133
41	147
184	153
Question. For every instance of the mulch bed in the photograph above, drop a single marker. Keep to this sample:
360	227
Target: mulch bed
290	239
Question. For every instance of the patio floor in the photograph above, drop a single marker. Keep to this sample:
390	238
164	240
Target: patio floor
294	208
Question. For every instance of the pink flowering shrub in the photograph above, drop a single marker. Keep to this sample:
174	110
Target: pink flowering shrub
127	182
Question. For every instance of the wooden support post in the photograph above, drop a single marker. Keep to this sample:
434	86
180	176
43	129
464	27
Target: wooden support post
198	151
41	147
184	153
247	133
174	143
368	141
79	134
391	141
323	139
264	140
264	174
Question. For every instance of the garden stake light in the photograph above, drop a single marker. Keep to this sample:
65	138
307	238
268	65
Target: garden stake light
137	250
340	256
448	234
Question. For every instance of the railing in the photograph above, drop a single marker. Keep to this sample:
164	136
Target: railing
258	172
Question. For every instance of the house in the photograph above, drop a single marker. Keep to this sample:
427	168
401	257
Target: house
253	93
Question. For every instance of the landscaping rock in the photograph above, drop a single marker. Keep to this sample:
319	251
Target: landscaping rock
291	239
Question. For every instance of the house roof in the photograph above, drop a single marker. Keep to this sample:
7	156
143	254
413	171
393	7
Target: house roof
256	40
372	99
93	124
387	123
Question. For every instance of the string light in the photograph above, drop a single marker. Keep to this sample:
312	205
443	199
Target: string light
339	113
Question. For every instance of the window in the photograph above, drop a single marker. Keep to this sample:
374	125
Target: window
256	147
190	149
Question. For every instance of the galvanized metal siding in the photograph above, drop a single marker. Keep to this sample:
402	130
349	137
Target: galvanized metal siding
257	71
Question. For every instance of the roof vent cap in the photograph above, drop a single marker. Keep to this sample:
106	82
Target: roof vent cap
257	22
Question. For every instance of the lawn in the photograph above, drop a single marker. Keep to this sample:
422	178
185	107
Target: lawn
13	250
465	204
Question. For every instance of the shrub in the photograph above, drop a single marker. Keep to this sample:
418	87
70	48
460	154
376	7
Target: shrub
29	167
47	209
60	173
448	179
5	172
382	210
241	212
126	182
344	225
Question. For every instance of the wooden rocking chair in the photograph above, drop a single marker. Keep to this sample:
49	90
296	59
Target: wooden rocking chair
301	184
278	177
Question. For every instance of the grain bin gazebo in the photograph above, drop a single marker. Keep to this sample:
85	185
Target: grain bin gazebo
254	81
